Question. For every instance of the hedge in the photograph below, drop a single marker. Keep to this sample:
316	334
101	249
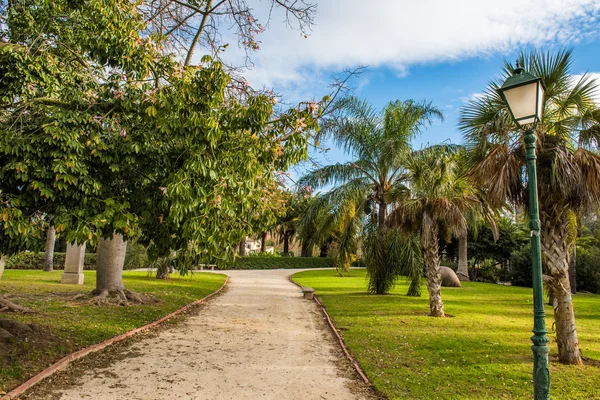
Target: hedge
255	262
31	260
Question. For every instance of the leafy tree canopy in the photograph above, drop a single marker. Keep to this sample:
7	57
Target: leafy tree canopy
106	133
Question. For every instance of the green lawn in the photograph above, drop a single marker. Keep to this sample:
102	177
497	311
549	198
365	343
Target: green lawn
481	352
73	325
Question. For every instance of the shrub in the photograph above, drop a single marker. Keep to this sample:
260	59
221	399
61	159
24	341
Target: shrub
136	256
265	254
31	260
256	262
486	272
588	269
519	270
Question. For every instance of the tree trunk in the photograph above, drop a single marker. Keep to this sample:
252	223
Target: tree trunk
382	213
2	264
263	243
573	271
49	253
463	259
242	250
286	244
110	257
306	250
162	272
555	249
431	259
323	250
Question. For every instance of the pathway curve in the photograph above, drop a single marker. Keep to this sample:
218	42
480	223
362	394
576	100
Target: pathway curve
258	340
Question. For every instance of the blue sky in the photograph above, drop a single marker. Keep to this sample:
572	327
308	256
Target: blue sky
436	50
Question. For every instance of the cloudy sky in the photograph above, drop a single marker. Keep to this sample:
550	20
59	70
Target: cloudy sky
437	50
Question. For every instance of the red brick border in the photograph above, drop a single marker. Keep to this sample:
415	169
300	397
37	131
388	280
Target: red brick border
64	362
349	356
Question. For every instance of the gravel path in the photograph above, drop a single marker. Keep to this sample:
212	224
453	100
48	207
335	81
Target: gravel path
258	340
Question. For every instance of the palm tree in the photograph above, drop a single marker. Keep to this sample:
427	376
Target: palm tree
568	167
378	142
433	205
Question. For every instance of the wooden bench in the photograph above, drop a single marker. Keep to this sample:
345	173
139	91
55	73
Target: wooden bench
308	292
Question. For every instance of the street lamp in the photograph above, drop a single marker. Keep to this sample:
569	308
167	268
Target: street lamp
524	96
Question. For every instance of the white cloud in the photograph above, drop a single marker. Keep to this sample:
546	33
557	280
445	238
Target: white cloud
398	34
591	76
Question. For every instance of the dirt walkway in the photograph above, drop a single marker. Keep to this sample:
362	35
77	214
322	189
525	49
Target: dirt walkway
259	340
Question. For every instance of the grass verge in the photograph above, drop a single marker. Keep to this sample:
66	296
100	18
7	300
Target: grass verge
67	325
481	352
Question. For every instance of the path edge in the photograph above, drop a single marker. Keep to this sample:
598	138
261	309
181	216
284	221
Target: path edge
65	361
335	331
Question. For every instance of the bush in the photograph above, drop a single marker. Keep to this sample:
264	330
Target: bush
265	254
256	262
588	270
136	256
31	260
486	272
519	270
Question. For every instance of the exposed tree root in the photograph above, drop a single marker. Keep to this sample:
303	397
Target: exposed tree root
79	296
122	297
8	306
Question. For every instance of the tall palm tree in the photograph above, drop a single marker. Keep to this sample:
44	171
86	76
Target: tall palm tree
434	204
568	167
378	142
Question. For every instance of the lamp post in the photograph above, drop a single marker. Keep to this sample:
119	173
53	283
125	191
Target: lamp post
523	94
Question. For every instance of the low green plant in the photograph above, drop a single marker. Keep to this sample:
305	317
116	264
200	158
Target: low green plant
519	269
263	254
33	260
261	262
588	270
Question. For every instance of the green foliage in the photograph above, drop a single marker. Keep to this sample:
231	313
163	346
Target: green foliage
378	142
483	246
33	260
261	262
588	270
265	254
106	133
483	352
136	256
519	270
487	271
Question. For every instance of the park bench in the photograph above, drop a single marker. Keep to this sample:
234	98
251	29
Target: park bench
308	292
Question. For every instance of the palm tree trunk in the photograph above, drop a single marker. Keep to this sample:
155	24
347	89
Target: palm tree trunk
573	271
382	213
242	250
162	272
431	259
263	242
49	253
555	248
463	259
305	252
2	264
110	257
286	244
323	250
